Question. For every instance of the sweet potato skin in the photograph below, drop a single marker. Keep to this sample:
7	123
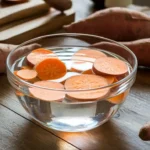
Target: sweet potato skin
141	48
4	51
6	48
120	24
144	133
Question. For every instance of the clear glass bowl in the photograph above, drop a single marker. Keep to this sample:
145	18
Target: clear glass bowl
71	116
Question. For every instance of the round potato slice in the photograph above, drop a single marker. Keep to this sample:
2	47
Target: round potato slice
110	79
91	53
48	95
119	98
65	77
86	82
50	69
84	58
110	66
81	66
88	72
26	74
38	55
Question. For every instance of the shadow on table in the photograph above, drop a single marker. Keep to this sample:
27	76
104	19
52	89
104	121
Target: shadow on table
5	88
32	137
106	137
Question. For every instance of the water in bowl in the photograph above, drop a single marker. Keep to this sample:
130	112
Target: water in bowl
69	115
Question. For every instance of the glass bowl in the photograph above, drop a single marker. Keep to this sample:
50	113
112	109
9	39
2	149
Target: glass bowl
67	115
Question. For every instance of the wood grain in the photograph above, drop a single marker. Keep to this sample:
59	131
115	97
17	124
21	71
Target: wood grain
11	13
26	29
121	133
133	114
16	133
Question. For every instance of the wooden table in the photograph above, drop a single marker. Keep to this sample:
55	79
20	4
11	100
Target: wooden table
19	132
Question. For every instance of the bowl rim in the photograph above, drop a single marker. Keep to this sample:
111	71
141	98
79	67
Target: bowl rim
25	83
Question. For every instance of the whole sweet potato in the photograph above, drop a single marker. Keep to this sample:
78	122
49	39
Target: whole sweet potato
144	133
4	51
141	49
120	24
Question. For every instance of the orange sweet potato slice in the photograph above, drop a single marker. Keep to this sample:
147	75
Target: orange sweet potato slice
86	82
110	79
109	66
80	66
48	95
115	80
15	72
84	58
91	53
26	74
88	72
38	55
119	98
26	67
65	77
18	93
50	69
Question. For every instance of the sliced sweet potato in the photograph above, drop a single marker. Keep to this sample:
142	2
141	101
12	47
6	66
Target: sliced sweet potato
86	82
80	66
65	77
88	72
119	98
50	69
90	53
48	95
38	55
26	74
110	66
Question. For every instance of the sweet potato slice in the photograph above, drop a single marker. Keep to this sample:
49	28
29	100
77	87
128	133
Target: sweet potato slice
88	72
110	79
119	98
65	77
86	82
91	53
26	74
109	66
80	66
18	93
83	59
50	69
26	67
38	55
48	95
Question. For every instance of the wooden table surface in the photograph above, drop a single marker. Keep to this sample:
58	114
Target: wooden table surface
19	132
